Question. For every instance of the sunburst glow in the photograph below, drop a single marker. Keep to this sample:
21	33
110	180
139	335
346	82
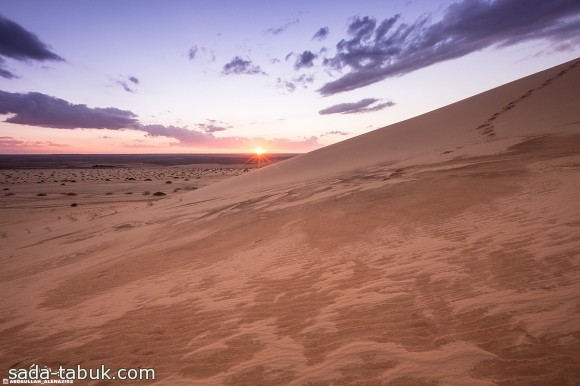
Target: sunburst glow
259	151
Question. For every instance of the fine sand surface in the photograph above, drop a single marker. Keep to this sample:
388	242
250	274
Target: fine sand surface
443	250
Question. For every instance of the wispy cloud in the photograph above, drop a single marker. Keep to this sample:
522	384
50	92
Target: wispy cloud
321	34
191	54
279	30
127	83
292	84
305	60
212	126
4	73
19	44
374	50
11	143
196	52
286	85
335	132
238	66
362	106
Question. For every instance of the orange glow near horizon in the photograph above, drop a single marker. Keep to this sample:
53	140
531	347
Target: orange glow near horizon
259	157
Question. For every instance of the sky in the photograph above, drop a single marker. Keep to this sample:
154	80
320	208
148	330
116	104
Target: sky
187	76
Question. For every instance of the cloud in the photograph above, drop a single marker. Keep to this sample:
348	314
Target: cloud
362	106
321	34
124	85
12	143
239	66
38	109
42	110
305	60
291	85
196	52
192	52
213	129
19	44
127	83
375	51
193	138
304	80
335	132
285	84
213	126
279	30
182	134
4	73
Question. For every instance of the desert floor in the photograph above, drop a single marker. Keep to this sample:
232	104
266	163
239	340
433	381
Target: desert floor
54	188
469	277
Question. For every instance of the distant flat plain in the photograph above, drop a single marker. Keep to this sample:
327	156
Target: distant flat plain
39	180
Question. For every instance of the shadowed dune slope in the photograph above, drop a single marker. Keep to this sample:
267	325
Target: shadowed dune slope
442	250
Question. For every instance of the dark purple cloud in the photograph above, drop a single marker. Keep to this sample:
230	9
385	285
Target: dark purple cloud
305	60
362	106
321	34
238	66
4	73
279	30
375	51
133	80
38	109
19	44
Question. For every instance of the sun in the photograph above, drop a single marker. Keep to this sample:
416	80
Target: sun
259	151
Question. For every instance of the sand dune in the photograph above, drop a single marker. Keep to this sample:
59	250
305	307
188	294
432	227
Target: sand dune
442	250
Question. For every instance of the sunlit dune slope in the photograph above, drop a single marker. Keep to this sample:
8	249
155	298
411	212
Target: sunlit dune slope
543	103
